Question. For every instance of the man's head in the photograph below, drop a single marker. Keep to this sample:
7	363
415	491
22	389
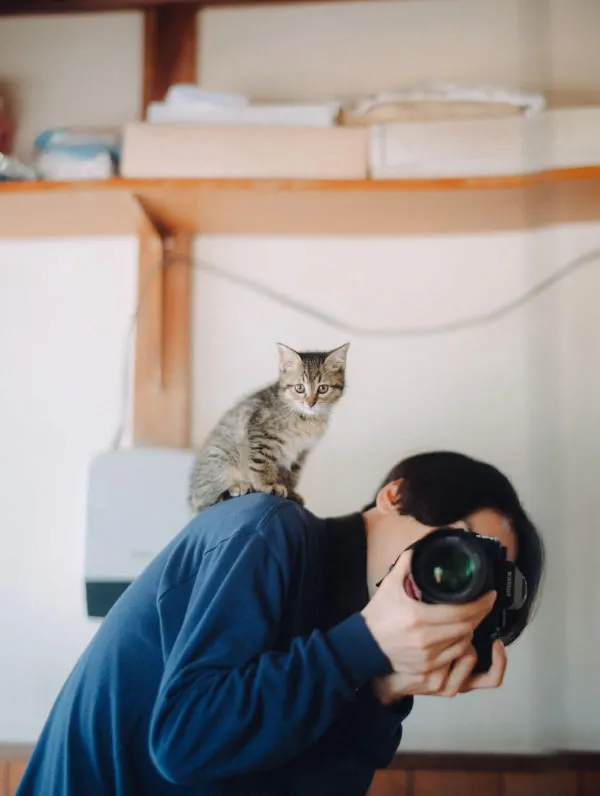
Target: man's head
430	490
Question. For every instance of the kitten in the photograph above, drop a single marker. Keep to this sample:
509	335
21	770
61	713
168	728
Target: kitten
262	442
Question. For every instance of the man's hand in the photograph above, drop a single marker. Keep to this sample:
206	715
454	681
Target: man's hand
447	681
419	638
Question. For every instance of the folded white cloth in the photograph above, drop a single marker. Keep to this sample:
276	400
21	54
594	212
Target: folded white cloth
324	115
190	94
62	166
437	101
186	103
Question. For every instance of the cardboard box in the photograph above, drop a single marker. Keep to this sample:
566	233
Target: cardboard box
558	138
206	151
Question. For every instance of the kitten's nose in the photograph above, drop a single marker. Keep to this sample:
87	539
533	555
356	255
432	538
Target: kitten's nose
311	400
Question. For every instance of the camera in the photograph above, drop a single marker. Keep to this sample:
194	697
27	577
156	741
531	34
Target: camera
450	565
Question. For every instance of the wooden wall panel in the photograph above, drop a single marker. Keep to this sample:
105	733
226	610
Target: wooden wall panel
390	783
436	775
590	783
456	783
554	783
4	778
15	772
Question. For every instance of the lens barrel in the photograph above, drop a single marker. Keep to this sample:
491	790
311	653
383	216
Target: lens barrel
450	565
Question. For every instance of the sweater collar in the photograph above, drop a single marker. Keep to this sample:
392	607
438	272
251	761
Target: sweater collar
345	566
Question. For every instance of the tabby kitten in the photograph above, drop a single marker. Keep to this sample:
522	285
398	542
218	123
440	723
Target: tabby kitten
262	442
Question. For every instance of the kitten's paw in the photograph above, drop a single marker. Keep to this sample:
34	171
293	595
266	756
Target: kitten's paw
296	497
278	489
240	488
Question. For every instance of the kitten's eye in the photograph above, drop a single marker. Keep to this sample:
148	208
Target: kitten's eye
322	389
300	388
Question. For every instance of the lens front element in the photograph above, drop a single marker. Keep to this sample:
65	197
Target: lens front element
449	566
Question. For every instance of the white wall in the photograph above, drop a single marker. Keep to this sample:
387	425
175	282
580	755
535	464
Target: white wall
468	391
492	392
70	70
373	46
64	310
523	392
580	448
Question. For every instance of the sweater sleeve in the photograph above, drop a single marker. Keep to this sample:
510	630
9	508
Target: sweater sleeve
376	730
228	704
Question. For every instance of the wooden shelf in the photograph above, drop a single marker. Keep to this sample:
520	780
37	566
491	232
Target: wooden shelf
299	207
62	6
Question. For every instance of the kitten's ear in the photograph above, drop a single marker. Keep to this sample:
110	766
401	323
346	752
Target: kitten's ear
288	358
336	359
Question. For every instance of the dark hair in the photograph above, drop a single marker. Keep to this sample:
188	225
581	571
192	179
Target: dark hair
442	487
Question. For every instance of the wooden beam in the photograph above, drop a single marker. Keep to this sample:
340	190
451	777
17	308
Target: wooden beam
26	7
170	49
161	414
162	384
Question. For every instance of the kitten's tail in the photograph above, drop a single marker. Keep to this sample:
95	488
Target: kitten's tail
206	489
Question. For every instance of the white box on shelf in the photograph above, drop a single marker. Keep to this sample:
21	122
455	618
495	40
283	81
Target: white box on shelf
555	138
213	151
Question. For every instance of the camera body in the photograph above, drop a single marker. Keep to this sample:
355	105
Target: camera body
451	565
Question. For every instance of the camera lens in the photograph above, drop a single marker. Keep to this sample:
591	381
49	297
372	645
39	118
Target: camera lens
449	566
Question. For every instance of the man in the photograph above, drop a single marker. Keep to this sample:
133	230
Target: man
256	655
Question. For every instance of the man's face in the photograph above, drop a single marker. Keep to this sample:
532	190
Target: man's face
486	522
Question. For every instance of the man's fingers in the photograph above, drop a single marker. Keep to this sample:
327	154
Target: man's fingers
494	677
447	655
460	673
439	637
435	681
446	680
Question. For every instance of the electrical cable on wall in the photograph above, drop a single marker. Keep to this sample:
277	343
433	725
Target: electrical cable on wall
303	308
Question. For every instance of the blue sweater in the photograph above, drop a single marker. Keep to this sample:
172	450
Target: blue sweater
236	663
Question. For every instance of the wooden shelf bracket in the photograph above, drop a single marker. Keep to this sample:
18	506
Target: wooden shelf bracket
162	381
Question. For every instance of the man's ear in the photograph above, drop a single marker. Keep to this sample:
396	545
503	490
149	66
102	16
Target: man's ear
387	498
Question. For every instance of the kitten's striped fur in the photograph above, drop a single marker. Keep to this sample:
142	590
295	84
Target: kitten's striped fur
262	442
